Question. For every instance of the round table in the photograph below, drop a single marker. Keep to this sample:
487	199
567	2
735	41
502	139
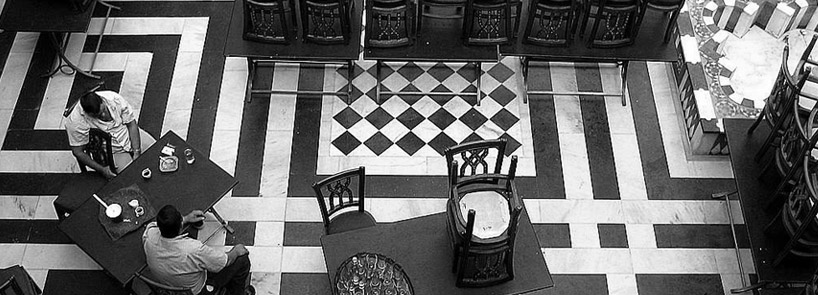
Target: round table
371	274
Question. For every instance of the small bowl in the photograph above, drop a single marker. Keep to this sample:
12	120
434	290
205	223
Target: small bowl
114	212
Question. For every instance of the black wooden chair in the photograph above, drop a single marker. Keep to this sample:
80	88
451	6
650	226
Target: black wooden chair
620	18
10	287
778	108
811	287
336	193
427	8
268	22
390	24
477	157
82	185
144	285
553	22
490	22
326	21
671	7
15	280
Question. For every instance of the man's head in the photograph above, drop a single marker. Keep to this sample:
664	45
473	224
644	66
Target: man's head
92	104
169	221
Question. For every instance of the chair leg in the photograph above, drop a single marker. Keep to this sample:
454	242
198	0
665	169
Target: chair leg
221	220
758	120
671	25
766	145
456	259
773	221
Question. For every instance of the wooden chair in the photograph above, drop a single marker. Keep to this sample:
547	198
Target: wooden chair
778	108
268	21
798	215
390	24
671	7
425	9
797	141
811	287
476	157
489	22
341	191
15	280
82	185
553	22
153	287
620	18
326	21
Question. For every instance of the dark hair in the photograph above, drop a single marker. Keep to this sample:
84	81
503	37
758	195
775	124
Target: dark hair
169	221
91	103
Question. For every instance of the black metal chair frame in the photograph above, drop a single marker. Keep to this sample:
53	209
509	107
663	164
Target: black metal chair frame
162	289
387	12
98	139
338	186
605	8
271	9
485	9
672	9
474	156
11	284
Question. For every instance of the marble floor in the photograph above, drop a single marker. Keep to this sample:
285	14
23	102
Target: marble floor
617	203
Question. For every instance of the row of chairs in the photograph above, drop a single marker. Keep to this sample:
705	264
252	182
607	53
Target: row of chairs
792	139
393	23
477	261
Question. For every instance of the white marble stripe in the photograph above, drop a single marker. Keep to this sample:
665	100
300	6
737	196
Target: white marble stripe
18	207
182	92
12	77
305	209
573	152
139	25
252	208
226	131
12	254
679	166
38	162
622	284
56	256
584	235
279	138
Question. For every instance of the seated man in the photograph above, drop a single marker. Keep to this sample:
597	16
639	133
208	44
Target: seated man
108	111
177	260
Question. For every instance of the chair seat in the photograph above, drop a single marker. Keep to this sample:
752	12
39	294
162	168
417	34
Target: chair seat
351	220
492	212
76	191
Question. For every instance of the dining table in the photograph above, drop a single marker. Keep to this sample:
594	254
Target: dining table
422	248
199	185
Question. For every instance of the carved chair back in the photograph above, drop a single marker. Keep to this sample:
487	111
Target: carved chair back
552	22
326	21
342	190
489	22
391	23
620	18
267	21
478	157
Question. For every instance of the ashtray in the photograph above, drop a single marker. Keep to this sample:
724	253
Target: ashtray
168	164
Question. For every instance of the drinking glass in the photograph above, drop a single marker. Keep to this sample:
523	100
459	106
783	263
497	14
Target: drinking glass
189	156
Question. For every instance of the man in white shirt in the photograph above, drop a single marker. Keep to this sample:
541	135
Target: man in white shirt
177	260
110	112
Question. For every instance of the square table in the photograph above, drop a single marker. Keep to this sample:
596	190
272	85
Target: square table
49	16
196	186
258	53
422	247
648	46
754	194
439	41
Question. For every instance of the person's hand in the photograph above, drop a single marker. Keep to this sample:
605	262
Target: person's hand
194	216
106	171
241	250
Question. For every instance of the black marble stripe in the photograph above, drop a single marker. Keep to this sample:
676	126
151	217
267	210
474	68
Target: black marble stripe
654	162
549	182
36	140
303	233
168	9
250	157
30	231
245	233
678	284
699	236
612	236
33	184
82	282
33	88
6	40
553	235
577	284
597	133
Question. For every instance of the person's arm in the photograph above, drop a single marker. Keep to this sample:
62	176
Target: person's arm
86	159
233	254
133	133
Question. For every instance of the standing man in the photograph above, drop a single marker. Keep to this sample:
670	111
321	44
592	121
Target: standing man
177	260
110	112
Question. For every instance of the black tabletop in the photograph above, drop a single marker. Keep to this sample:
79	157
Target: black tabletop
648	45
439	41
297	49
754	196
422	247
196	186
44	16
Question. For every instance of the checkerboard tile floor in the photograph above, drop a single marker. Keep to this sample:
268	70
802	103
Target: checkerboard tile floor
603	187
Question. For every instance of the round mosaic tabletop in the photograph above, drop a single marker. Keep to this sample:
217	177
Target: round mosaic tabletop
371	274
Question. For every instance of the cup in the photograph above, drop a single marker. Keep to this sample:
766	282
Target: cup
189	156
114	212
146	173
